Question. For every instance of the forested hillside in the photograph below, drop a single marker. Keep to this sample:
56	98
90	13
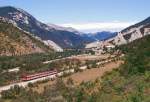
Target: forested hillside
129	83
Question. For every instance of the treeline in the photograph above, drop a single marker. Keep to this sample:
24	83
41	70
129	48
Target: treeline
8	62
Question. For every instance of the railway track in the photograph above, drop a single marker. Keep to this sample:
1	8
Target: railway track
25	83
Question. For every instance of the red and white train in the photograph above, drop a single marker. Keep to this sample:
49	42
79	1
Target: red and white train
39	75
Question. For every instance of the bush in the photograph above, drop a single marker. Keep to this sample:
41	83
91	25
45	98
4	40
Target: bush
12	93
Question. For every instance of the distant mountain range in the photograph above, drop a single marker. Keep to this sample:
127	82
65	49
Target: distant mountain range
53	35
40	37
101	36
64	37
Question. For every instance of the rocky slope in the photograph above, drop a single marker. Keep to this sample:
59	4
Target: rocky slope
133	32
101	39
14	41
125	36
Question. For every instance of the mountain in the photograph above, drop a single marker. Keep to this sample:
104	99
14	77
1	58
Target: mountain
103	35
125	36
14	41
62	37
133	32
100	38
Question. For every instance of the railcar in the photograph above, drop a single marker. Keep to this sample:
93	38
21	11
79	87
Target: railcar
38	75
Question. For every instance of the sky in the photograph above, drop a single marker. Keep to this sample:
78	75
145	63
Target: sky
85	15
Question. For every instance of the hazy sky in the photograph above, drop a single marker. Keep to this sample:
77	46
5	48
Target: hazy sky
82	14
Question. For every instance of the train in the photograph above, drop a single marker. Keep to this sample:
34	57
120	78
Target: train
39	75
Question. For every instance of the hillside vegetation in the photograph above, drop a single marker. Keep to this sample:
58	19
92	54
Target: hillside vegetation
33	63
16	42
129	83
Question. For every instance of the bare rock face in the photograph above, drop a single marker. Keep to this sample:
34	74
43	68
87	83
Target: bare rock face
119	39
127	35
53	45
133	32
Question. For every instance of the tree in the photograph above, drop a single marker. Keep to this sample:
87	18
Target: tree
60	84
79	95
70	81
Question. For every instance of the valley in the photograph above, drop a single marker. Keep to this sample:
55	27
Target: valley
46	62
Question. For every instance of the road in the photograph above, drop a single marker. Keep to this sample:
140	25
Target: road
80	57
24	84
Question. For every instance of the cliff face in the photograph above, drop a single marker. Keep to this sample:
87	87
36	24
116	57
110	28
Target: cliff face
133	32
127	35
